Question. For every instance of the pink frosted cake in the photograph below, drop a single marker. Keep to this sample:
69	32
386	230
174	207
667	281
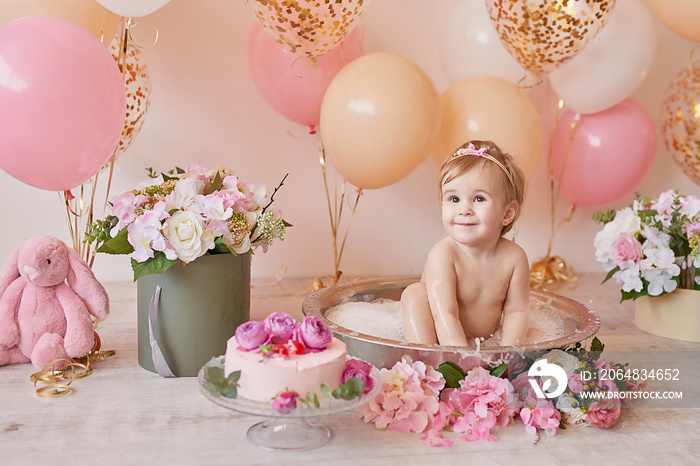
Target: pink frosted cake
277	355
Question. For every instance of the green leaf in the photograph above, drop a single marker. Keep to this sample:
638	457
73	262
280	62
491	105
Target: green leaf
117	245
179	170
452	373
159	263
597	346
326	390
610	274
215	381
220	247
233	393
499	370
216	184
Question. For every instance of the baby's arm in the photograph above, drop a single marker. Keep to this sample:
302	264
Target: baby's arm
516	308
441	285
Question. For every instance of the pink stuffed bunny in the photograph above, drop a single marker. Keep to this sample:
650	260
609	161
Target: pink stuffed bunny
41	315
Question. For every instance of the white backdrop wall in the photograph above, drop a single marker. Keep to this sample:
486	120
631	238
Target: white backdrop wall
206	109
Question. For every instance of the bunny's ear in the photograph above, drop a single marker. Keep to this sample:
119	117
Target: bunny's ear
10	271
83	282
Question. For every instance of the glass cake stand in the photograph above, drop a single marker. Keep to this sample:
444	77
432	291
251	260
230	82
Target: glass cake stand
288	432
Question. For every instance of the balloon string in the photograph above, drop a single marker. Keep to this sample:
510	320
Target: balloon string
102	26
335	212
131	25
554	193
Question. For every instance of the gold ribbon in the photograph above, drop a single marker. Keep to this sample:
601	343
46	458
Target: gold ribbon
71	369
550	271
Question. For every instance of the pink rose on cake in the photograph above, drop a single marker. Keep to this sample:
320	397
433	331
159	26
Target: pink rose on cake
280	326
358	369
285	402
313	333
250	335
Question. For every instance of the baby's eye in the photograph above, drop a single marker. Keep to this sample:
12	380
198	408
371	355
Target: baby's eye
453	199
479	199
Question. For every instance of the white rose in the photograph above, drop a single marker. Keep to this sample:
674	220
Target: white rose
574	417
568	362
187	235
184	192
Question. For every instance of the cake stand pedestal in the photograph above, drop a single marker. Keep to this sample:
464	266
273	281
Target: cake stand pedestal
288	432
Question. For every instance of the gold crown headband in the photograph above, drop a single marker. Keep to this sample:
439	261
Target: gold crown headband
471	150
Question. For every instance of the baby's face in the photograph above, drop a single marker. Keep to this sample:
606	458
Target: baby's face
474	207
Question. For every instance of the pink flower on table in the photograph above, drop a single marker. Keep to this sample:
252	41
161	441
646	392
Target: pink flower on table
576	383
475	427
483	401
250	335
281	326
407	400
358	369
542	416
314	333
285	402
605	413
626	251
434	438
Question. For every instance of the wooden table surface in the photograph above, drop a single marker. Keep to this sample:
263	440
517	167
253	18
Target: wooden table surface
123	414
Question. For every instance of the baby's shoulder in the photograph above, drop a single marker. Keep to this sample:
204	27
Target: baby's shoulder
442	252
512	252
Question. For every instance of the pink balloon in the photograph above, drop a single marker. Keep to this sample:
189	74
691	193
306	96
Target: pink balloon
610	154
291	85
62	102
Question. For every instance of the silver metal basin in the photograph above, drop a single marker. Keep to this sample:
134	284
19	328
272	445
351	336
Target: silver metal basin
580	324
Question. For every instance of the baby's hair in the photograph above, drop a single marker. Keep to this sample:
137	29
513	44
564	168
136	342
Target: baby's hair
458	165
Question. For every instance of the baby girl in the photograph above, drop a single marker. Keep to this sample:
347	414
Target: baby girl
475	281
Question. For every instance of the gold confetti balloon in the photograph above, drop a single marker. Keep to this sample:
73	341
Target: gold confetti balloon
308	27
544	34
137	83
680	120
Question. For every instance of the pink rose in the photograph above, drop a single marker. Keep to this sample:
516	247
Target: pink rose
358	369
626	249
604	414
250	335
314	333
575	383
285	402
280	325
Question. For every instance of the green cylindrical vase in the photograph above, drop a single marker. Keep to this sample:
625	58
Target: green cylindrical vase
201	305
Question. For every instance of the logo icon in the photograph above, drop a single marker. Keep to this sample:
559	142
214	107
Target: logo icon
541	368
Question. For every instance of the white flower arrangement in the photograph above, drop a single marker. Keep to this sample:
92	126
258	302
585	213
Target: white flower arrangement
183	214
652	247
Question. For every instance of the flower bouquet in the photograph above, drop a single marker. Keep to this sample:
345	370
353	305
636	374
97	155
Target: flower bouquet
415	397
208	222
181	215
653	246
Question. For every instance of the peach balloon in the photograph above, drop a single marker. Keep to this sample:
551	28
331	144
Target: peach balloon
379	119
680	16
491	108
85	13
